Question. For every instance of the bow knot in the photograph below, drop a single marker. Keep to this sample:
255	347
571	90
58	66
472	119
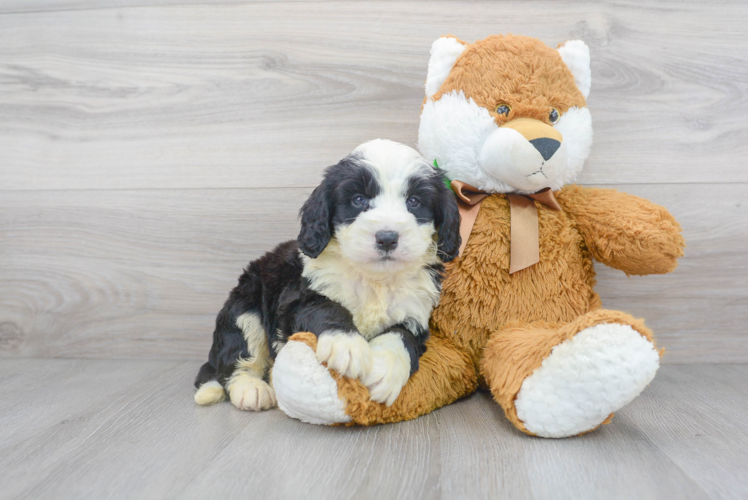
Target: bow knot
524	235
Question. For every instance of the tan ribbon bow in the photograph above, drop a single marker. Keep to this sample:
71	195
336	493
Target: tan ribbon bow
525	241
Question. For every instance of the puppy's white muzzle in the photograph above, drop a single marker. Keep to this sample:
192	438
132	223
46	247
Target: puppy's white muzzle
361	241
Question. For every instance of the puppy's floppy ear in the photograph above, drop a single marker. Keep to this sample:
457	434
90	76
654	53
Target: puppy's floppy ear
447	221
316	221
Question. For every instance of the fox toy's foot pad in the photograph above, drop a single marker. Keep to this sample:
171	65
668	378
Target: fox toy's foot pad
574	376
304	387
585	379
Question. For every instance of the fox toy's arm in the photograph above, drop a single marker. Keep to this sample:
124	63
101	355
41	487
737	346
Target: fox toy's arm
624	231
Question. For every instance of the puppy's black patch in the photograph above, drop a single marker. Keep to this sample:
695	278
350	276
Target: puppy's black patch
330	203
437	204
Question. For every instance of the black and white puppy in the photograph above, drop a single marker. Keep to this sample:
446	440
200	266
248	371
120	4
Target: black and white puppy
363	276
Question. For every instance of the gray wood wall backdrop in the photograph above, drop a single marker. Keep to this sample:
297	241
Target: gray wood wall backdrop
150	148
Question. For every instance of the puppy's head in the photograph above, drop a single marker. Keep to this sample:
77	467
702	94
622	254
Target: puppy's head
383	205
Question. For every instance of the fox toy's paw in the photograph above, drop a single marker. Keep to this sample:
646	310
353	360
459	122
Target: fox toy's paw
585	379
304	387
571	378
311	392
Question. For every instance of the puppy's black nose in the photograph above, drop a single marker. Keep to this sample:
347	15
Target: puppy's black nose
546	147
386	240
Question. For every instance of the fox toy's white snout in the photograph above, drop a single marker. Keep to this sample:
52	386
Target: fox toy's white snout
526	164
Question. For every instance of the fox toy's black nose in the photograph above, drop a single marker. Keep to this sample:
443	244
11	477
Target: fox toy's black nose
547	147
386	240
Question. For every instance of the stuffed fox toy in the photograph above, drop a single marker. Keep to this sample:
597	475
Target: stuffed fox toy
506	119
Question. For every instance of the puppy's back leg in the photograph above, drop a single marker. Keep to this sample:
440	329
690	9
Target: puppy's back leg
209	390
246	387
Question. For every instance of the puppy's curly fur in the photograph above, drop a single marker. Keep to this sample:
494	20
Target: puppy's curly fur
367	266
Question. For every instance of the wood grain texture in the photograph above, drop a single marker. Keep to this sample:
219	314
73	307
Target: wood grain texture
143	273
129	429
267	93
150	148
699	424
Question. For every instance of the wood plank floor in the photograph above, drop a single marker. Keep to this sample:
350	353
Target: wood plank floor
129	429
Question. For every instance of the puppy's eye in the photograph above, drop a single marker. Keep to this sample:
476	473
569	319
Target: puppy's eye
554	115
360	201
413	202
503	109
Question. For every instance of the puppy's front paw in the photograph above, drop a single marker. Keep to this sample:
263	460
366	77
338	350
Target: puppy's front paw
390	368
250	393
346	353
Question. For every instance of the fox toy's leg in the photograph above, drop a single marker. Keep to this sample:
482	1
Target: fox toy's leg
308	391
563	380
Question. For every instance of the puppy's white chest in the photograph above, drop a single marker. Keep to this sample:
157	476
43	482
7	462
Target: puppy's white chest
376	307
376	303
376	300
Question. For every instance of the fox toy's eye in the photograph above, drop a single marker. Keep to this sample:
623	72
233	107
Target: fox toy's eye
413	202
554	115
360	201
503	109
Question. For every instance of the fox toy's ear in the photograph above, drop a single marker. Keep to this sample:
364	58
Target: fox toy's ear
444	54
576	56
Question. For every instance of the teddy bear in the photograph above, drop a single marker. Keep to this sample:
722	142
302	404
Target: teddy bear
506	119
